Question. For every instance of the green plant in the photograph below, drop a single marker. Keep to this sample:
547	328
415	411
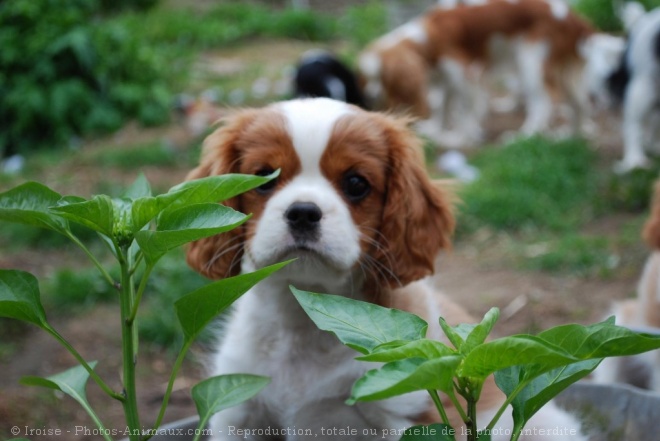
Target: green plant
573	253
603	14
529	369
532	182
364	23
67	72
138	229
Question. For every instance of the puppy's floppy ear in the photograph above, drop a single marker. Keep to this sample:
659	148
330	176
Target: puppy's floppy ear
651	233
219	256
417	218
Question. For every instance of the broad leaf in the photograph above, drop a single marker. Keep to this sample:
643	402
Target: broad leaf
600	340
20	298
433	432
72	382
539	391
480	333
96	213
30	204
404	376
466	337
218	188
505	352
360	325
187	224
197	309
456	334
144	210
225	391
422	348
140	188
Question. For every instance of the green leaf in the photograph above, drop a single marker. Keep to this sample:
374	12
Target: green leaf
422	348
504	352
456	334
144	210
404	376
360	325
72	382
96	213
225	391
20	298
539	391
218	188
600	340
140	188
196	309
433	432
30	204
187	224
466	337
480	333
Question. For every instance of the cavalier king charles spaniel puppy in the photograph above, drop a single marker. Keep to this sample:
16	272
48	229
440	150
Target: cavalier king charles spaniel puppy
354	204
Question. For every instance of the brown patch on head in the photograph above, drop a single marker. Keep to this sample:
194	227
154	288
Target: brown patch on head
249	142
406	219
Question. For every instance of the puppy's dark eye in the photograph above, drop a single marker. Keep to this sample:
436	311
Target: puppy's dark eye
355	187
268	186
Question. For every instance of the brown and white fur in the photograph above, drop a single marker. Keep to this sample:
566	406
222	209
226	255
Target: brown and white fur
354	205
641	314
446	51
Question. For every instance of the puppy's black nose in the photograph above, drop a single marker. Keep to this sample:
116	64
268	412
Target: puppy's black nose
303	217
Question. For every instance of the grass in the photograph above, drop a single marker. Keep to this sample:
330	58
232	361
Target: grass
544	197
154	153
533	183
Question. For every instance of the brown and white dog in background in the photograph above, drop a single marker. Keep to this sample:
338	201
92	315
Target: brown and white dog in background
641	314
445	52
354	204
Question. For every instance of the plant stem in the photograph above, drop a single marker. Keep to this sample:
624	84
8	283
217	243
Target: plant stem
140	291
506	404
92	373
457	405
96	263
128	347
105	433
471	423
438	404
170	385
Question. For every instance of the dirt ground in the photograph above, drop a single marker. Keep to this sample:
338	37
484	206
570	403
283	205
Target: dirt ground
473	274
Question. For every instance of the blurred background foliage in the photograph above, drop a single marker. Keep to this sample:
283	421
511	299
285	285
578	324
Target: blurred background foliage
604	14
73	68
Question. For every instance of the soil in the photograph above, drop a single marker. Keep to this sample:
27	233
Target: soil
475	274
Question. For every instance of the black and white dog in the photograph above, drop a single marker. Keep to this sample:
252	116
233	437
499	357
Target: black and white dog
321	74
634	83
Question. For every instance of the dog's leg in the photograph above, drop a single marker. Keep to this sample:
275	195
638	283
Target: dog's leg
572	78
530	58
638	104
463	99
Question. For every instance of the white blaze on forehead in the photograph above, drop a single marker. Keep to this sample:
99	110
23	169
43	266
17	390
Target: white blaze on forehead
310	123
559	9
